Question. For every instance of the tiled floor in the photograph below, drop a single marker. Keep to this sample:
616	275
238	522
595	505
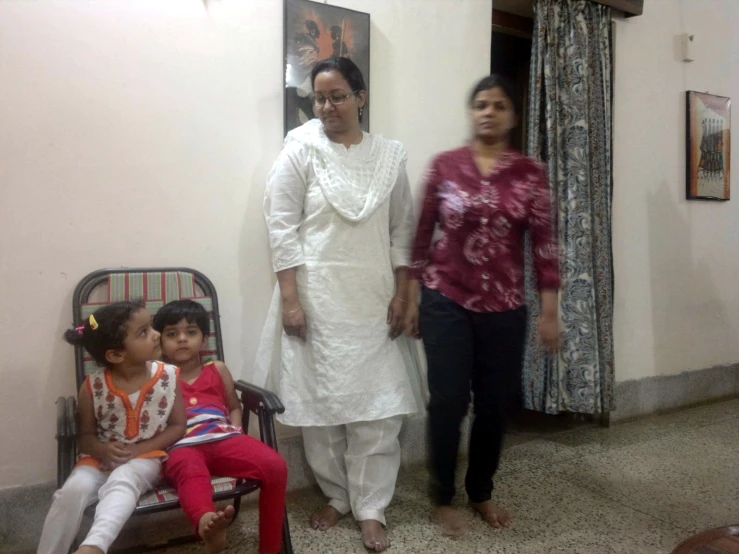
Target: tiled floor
636	488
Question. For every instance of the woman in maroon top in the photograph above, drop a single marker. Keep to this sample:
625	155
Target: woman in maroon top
472	316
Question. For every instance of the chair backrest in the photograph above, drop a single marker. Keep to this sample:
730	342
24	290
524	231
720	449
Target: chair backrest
156	287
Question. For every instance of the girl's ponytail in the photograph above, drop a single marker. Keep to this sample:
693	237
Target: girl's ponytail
104	330
76	336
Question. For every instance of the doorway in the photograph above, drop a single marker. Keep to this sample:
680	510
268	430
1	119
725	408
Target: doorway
510	56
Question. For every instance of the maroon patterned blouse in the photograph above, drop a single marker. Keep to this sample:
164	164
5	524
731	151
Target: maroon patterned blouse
479	260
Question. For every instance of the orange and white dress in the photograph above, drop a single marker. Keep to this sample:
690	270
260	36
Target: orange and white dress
131	418
124	418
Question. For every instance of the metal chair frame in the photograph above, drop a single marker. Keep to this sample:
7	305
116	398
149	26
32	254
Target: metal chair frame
255	400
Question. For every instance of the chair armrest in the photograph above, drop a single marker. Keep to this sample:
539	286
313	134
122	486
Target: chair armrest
66	431
66	417
254	398
263	403
62	427
72	416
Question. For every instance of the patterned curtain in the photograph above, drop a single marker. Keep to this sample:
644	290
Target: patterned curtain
570	131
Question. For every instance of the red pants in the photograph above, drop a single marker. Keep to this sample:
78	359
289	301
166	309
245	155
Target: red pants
190	468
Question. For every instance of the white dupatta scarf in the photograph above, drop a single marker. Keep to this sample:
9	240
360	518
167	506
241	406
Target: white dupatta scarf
355	187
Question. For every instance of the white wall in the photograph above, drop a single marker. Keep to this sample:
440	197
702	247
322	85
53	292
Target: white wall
140	132
676	262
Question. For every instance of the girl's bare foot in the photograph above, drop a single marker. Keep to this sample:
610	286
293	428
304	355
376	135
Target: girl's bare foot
88	550
374	536
450	521
495	516
213	527
325	518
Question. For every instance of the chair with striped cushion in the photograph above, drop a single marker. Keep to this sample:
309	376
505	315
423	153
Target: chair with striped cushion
156	287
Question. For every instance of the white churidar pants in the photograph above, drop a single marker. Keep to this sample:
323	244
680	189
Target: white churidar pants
356	465
117	493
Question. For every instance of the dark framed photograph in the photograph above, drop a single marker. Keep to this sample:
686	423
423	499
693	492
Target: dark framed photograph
708	146
315	32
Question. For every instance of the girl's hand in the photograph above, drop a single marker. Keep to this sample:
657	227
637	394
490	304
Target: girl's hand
396	316
294	322
549	332
115	454
134	451
410	322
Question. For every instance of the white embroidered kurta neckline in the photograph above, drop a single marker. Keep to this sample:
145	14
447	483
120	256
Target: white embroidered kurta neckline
343	218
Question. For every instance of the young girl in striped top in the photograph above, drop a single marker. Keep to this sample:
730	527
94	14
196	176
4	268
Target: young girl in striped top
214	443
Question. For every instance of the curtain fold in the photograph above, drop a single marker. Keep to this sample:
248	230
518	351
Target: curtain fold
570	131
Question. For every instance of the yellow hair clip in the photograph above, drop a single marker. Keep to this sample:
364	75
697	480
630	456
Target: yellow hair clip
93	323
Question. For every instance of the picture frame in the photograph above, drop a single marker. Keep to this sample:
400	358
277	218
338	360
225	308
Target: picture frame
708	140
315	32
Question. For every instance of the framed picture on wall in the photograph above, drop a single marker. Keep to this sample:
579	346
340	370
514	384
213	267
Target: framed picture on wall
315	32
708	146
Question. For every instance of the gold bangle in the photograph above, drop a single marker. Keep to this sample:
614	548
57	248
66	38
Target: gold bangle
399	298
292	312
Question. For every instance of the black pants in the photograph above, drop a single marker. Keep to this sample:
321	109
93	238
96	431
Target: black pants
481	351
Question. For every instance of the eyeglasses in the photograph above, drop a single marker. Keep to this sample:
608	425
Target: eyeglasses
336	99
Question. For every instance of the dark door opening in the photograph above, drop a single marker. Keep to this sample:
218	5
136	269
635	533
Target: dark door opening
511	57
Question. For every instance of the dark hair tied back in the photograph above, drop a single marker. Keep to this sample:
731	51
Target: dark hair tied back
347	68
105	330
75	336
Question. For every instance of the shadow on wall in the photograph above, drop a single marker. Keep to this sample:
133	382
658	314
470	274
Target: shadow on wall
255	262
62	371
256	279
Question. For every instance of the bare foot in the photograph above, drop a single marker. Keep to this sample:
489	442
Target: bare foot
88	550
325	518
213	527
374	536
496	516
450	521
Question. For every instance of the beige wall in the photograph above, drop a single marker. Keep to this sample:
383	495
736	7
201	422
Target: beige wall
676	262
140	132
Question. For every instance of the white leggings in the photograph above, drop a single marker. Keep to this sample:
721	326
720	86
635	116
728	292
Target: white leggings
356	465
117	493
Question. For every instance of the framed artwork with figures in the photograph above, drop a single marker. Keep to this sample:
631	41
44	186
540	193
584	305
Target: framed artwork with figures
708	146
315	32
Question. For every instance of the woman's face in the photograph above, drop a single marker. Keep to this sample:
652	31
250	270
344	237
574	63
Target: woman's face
344	116
493	115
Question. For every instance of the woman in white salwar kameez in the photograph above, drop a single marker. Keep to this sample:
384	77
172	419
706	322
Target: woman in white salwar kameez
339	215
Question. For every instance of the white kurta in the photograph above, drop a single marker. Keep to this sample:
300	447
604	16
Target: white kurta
343	218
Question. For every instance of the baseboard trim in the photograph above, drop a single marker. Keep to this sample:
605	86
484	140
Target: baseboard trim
668	393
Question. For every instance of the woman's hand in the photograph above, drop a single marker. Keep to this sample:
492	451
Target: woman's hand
549	332
293	317
410	324
396	316
293	321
